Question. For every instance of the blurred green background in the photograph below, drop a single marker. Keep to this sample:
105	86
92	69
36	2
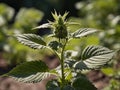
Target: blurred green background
20	16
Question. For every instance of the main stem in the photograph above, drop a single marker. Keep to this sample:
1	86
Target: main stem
62	65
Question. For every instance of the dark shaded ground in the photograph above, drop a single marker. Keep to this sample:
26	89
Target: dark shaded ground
9	84
98	79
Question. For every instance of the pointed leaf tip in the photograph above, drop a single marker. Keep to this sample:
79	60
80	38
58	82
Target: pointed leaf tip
46	25
83	32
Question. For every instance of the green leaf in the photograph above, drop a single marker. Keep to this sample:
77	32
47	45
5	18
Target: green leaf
95	51
55	45
83	32
27	18
68	74
82	83
52	85
108	71
70	62
4	10
31	40
46	25
94	57
72	23
55	15
65	15
68	87
33	71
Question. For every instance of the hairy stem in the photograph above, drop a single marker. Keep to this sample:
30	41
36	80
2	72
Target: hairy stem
62	65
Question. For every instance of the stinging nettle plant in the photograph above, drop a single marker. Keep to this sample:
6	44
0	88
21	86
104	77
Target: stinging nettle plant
69	72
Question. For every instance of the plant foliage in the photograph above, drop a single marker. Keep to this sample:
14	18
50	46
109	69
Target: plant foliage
33	71
83	32
81	83
31	40
92	57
